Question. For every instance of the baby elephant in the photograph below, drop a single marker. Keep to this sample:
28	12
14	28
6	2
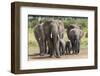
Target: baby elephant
68	47
61	47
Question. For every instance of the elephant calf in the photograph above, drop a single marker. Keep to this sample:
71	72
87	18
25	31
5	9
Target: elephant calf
68	47
62	46
65	47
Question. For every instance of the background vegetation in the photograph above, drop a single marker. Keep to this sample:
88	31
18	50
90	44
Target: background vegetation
33	20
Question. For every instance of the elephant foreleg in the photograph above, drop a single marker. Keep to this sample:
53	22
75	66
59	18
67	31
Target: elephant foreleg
77	46
56	51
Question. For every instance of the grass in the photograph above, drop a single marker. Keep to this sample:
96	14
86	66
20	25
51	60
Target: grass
33	45
32	42
84	42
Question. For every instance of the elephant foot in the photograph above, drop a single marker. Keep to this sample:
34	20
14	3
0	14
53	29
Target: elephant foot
51	56
72	53
41	54
66	54
57	56
76	53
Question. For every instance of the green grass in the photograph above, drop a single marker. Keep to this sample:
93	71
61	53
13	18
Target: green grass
32	42
84	42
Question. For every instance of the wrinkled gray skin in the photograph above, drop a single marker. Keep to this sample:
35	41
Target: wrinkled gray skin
68	47
40	37
53	30
75	33
47	35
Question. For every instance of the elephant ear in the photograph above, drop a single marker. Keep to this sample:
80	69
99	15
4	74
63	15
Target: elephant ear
81	33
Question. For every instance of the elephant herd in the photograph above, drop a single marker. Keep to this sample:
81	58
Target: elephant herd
50	34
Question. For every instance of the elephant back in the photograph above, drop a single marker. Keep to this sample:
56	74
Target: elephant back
38	31
75	33
74	29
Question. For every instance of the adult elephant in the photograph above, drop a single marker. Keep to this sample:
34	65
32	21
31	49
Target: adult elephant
53	30
40	37
75	34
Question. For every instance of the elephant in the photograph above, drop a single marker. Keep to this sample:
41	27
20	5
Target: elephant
53	30
40	37
75	34
65	47
62	47
68	47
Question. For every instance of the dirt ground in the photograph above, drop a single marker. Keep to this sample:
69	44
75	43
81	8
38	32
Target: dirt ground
82	55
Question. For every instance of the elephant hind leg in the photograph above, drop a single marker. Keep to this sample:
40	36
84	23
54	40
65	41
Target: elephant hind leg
78	47
41	53
42	49
73	47
57	55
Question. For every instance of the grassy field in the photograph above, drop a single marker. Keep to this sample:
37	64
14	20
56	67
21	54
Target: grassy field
33	45
32	42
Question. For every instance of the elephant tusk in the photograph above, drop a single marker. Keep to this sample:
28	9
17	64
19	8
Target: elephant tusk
39	39
51	35
58	37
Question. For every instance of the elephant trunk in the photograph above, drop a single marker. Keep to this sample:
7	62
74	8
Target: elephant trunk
56	47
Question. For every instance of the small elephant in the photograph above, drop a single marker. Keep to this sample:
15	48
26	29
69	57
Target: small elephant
68	47
62	47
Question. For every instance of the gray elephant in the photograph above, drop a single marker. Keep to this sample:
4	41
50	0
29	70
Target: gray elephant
40	37
75	34
62	47
68	47
65	47
53	30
